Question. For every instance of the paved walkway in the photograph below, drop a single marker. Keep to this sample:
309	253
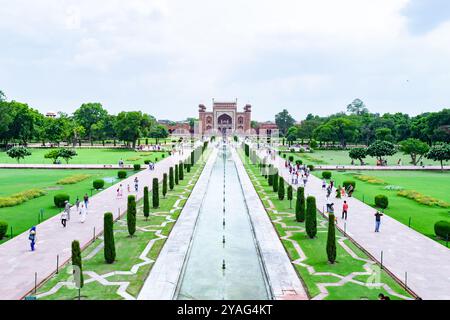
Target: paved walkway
406	252
19	265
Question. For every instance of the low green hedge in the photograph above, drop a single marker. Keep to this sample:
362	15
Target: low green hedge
137	166
121	174
346	183
3	229
381	201
146	161
60	199
298	162
98	184
291	158
310	167
326	174
442	229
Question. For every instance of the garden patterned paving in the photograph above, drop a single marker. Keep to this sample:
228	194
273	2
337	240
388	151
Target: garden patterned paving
324	281
406	253
124	278
20	266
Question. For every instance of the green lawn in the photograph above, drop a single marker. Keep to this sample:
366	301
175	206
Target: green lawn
90	156
128	249
337	157
423	217
23	216
315	252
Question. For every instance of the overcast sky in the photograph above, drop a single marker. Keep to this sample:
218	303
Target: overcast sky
166	57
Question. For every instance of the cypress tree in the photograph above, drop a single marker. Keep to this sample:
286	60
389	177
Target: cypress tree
146	203
192	158
181	173
300	205
131	214
155	193
164	186
108	235
171	184
188	167
331	239
176	174
311	219
290	195
77	264
275	182
281	188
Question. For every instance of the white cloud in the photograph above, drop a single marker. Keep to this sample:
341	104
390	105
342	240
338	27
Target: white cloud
170	55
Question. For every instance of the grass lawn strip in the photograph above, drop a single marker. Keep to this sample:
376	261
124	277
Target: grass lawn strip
124	278
354	276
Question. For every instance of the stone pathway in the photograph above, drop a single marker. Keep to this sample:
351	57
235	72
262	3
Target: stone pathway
370	266
102	279
406	253
20	266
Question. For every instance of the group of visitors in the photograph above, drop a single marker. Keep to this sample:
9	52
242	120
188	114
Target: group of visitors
81	208
151	166
298	173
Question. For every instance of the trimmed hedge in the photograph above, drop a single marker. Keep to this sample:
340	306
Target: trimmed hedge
281	190
298	162
442	229
381	201
136	166
3	229
171	182
300	205
76	261
108	236
311	217
131	215
60	199
121	174
176	174
155	193
346	183
331	239
181	171
275	182
164	185
291	158
98	184
146	203
326	174
310	167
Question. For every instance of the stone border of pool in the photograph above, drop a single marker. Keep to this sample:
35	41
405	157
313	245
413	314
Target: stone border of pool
282	277
163	280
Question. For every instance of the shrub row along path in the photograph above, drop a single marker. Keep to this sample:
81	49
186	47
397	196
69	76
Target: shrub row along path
20	266
424	262
105	279
290	231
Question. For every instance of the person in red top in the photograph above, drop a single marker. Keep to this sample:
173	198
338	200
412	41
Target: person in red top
344	210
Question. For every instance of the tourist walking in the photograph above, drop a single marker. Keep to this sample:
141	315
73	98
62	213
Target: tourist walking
350	190
324	184
64	218
67	209
378	216
344	210
32	237
86	200
83	213
77	203
128	188
136	184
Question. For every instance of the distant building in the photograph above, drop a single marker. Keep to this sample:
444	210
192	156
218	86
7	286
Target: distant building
267	128
51	114
224	118
176	127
